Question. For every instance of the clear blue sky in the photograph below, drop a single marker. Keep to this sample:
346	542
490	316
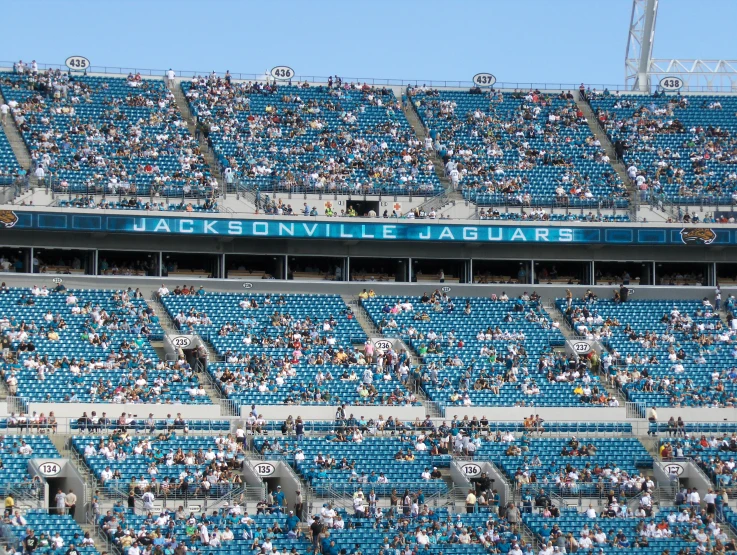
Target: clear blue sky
543	41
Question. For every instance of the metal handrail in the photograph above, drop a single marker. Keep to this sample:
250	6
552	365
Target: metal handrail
450	83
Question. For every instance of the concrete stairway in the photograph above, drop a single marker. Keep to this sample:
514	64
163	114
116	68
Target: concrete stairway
450	195
19	147
208	385
363	318
608	147
207	152
569	334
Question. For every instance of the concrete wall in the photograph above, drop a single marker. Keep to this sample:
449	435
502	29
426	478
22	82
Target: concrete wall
547	292
695	414
517	414
327	412
67	477
689	475
75	410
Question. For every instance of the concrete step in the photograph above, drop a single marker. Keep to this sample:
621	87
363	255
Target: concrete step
608	147
15	139
183	106
421	133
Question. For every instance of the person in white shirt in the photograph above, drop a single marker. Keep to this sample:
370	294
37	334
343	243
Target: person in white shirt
590	512
694	499
4	111
148	500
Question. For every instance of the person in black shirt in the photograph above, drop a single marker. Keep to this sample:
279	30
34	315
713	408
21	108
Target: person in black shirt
31	541
316	529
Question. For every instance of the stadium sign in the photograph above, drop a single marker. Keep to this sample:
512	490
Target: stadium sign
484	80
57	280
282	73
49	469
445	289
671	83
181	341
368	229
471	470
674	468
265	469
581	347
383	345
77	63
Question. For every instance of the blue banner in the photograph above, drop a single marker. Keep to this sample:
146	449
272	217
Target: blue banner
368	230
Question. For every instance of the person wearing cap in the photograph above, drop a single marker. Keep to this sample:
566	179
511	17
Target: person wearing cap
316	529
292	521
279	498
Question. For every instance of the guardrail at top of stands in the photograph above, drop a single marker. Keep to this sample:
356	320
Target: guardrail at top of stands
381	81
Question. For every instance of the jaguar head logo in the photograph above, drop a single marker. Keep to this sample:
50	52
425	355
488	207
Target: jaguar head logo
698	236
8	218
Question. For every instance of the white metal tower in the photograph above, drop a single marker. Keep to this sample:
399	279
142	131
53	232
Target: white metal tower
642	72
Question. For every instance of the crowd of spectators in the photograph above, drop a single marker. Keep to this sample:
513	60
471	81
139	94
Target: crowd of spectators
106	134
540	215
676	145
523	147
340	138
668	357
210	204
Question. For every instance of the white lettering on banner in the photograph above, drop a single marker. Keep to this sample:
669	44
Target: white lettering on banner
446	234
162	226
352	231
491	236
286	228
518	234
470	233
